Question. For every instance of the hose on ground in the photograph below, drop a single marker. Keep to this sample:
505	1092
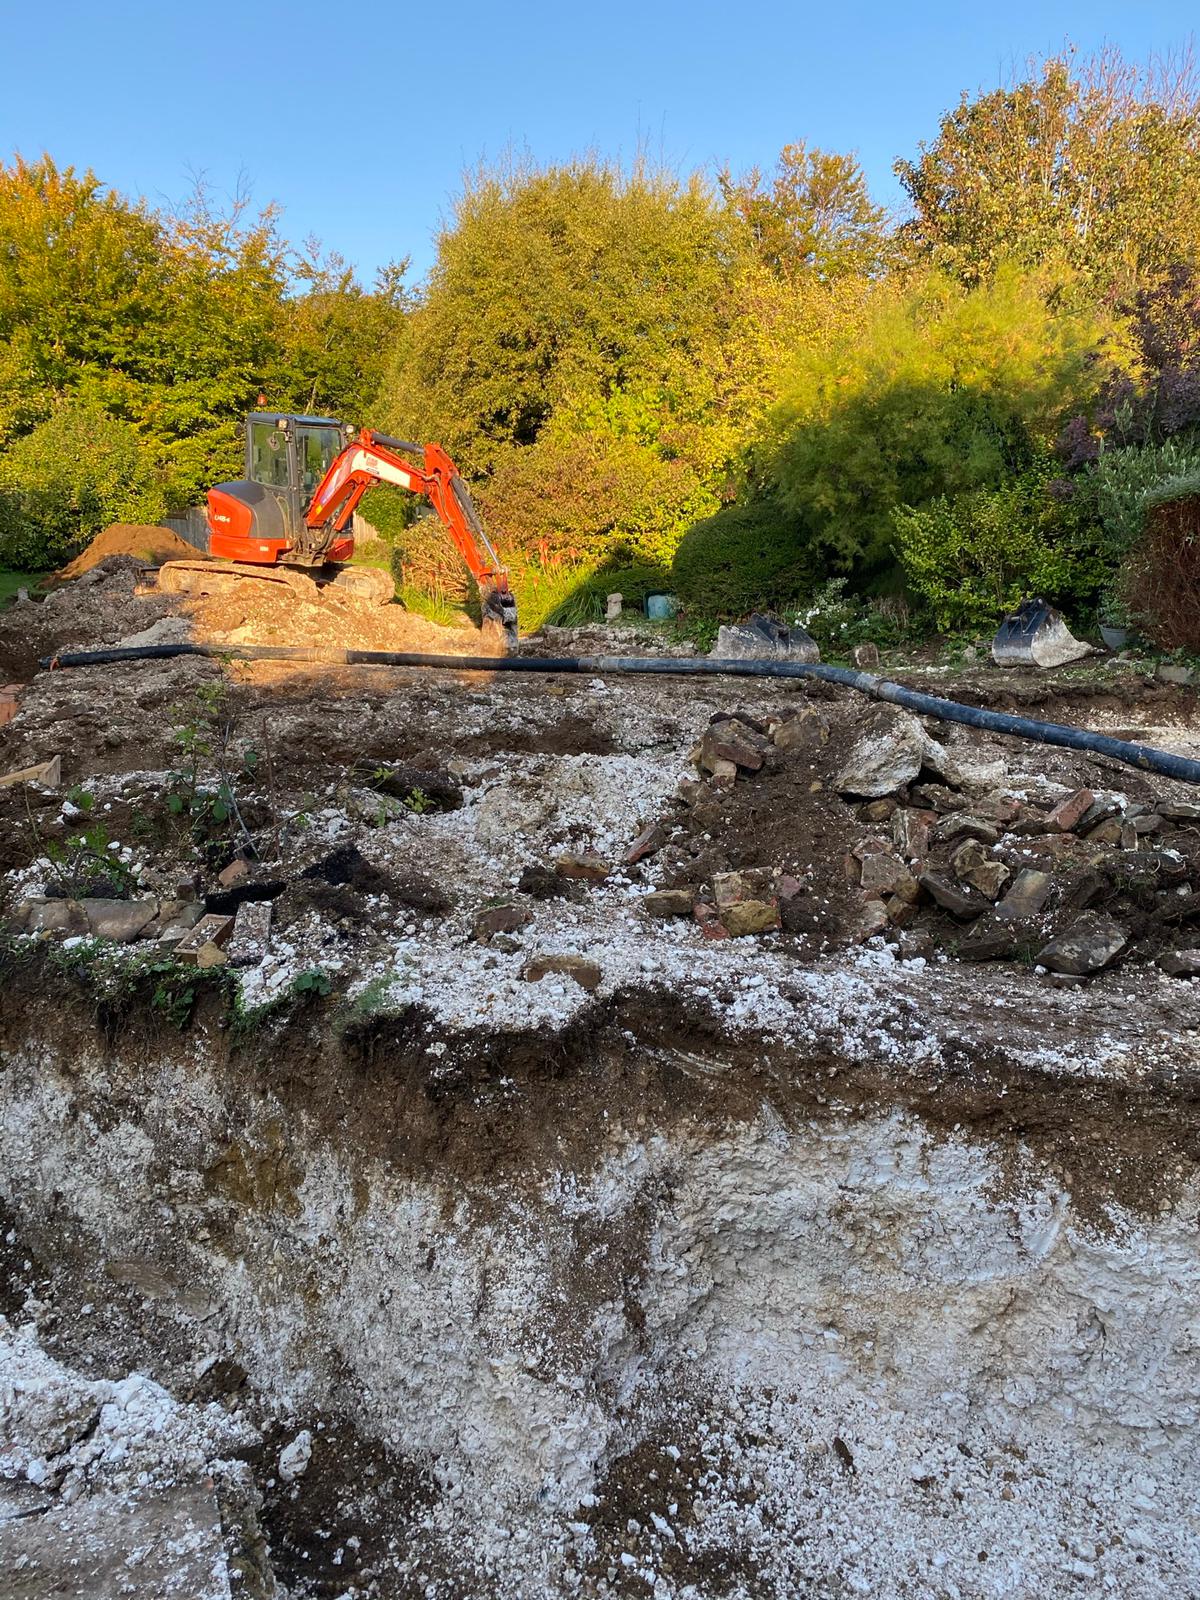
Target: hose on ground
1145	757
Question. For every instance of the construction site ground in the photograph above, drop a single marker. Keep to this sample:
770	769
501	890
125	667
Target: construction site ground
618	1158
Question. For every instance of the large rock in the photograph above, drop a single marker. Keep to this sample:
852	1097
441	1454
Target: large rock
731	741
960	902
1181	963
1028	895
1090	943
746	901
119	920
582	869
889	755
910	832
581	971
45	915
500	919
884	873
804	731
668	903
991	938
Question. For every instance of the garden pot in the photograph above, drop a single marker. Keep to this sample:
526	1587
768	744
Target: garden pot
1114	638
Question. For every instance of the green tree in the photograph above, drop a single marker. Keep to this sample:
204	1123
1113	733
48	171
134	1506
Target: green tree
332	334
814	215
938	390
82	293
69	477
167	322
561	290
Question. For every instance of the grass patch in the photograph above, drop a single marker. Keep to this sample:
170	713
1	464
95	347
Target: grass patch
10	582
436	607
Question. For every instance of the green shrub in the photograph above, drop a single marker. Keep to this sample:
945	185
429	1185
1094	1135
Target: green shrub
745	558
598	497
975	557
1124	483
542	584
838	621
74	474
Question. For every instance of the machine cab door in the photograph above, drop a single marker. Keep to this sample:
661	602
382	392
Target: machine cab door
271	462
318	444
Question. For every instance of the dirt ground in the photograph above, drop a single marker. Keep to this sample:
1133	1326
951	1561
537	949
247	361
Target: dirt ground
470	971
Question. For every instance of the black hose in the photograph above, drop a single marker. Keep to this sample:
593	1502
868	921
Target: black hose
1142	756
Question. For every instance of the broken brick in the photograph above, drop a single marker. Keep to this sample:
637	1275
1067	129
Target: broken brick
1069	813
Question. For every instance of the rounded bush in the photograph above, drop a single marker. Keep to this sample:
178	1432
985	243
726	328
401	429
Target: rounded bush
745	558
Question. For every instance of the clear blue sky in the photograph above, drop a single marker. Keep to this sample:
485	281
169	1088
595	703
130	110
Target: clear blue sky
359	120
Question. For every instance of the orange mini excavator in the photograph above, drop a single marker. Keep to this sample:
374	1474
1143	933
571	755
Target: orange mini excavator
289	518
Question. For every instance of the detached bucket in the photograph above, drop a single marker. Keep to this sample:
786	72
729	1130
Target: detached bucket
1035	635
764	639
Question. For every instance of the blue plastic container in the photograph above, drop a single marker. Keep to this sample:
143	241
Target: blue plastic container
660	607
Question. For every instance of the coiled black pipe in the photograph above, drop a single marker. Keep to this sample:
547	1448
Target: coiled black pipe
1142	756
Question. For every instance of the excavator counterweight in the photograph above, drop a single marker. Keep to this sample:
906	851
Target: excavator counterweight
292	513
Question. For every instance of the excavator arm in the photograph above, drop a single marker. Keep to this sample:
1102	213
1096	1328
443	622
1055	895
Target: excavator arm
374	458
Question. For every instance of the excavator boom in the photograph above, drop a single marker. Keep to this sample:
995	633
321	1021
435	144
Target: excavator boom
375	458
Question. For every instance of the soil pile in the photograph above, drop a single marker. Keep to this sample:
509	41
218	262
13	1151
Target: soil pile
328	617
149	543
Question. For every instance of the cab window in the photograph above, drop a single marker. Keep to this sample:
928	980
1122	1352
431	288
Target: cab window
268	455
315	450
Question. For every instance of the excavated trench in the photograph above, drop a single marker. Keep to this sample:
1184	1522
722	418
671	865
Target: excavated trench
634	1309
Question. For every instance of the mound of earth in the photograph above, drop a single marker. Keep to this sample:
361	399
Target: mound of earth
151	543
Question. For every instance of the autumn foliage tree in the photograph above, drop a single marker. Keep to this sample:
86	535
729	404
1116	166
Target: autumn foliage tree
1095	164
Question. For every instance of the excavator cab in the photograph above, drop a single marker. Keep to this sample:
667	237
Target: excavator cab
261	518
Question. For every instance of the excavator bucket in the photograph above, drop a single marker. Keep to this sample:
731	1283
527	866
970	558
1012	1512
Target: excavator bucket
1035	635
499	616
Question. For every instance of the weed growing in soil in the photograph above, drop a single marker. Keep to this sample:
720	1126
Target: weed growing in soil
371	1001
312	983
202	787
84	863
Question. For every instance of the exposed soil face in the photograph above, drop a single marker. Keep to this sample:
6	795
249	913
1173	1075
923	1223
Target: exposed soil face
483	1229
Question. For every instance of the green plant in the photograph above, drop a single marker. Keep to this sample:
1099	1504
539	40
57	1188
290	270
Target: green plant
838	621
587	601
1127	482
202	787
543	584
371	1001
72	475
437	607
975	557
174	992
83	860
746	558
938	392
312	983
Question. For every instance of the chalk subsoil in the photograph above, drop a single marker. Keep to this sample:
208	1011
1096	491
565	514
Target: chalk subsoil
809	1261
